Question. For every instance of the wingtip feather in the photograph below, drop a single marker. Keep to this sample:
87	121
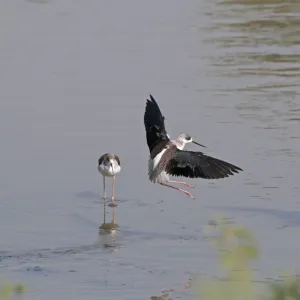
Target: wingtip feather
151	101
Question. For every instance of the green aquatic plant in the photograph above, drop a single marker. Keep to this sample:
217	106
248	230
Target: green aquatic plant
237	249
287	289
8	290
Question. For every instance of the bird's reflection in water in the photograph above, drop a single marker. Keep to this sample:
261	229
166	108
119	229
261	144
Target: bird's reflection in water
109	233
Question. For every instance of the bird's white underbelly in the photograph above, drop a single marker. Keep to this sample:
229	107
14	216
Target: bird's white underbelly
157	158
162	177
153	163
109	171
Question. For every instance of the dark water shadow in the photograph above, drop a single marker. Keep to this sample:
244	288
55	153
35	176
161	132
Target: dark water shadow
111	237
290	218
48	253
99	246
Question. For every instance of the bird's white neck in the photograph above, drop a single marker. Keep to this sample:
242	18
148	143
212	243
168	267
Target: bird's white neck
179	144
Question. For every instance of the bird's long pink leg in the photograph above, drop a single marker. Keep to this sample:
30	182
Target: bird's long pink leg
104	190
181	182
104	197
173	187
113	193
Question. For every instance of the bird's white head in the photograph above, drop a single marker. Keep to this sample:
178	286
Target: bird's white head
185	139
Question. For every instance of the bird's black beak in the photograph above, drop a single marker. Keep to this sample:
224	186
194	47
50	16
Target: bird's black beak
199	144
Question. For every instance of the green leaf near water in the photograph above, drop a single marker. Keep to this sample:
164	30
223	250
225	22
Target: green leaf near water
19	288
6	291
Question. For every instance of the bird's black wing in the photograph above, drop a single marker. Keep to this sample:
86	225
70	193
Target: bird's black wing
198	165
154	124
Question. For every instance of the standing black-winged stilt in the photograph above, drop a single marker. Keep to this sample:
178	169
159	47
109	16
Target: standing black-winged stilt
109	166
168	158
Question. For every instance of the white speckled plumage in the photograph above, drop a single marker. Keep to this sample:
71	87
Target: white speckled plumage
109	170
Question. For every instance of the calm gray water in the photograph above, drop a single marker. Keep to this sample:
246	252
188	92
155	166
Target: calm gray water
74	77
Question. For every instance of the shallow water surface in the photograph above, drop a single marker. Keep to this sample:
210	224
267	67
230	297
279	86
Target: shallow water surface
74	79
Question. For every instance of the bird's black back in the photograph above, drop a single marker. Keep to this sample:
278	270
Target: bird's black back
198	165
154	124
